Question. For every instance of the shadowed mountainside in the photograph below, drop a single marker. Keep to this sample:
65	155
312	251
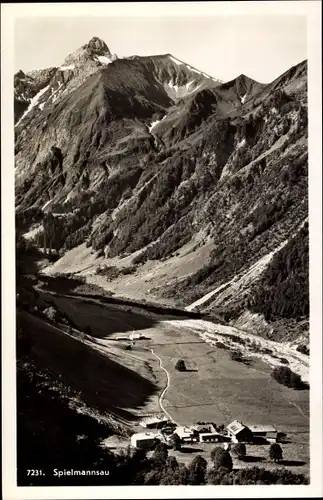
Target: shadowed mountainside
103	384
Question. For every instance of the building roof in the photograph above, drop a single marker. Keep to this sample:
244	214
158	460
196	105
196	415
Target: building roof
262	428
235	427
145	435
204	428
183	431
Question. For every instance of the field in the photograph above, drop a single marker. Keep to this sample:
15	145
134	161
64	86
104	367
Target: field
221	390
295	456
214	387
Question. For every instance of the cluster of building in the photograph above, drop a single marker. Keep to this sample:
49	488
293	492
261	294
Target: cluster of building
203	433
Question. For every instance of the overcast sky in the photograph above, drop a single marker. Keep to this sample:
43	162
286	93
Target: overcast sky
262	47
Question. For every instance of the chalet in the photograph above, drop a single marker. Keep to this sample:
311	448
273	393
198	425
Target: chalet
238	432
145	440
263	433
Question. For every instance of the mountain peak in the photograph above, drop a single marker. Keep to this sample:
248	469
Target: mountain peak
242	76
245	79
97	45
96	50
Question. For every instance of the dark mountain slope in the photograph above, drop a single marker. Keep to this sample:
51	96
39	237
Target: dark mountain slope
190	112
242	87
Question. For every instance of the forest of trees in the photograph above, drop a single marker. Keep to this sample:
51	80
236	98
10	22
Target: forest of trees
284	289
285	376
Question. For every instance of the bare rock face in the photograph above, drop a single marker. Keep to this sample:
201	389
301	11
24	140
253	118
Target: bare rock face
42	76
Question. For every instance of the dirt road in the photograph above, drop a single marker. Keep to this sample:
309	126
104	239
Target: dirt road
165	389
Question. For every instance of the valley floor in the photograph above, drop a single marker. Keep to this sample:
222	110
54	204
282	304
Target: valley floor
129	383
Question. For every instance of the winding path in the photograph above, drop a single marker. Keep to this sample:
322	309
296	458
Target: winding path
160	399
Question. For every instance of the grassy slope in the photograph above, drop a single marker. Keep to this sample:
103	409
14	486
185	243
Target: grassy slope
103	382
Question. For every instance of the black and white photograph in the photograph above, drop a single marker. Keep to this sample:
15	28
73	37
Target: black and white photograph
162	263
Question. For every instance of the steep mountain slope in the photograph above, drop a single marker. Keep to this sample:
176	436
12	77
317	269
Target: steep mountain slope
147	157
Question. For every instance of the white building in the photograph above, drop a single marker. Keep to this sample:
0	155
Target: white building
186	433
145	440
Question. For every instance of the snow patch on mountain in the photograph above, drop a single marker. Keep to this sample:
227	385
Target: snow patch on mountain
195	70
153	124
181	63
204	74
64	68
104	59
243	98
33	103
197	88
